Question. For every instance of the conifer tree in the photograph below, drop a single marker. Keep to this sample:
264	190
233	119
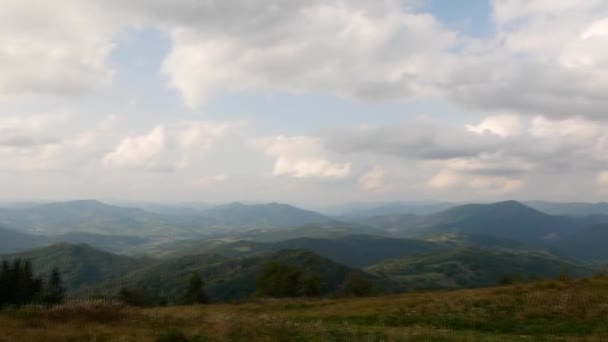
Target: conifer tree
195	293
54	292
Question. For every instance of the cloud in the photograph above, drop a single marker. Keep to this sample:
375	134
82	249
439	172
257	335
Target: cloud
502	125
54	48
417	140
373	180
140	151
602	178
302	157
521	70
496	155
350	49
168	147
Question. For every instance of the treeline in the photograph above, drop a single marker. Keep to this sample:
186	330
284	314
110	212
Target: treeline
274	280
194	294
19	285
277	280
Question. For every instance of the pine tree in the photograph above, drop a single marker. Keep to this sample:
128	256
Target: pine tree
54	292
195	293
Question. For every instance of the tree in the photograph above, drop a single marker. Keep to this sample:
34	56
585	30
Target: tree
280	280
357	285
54	291
18	285
195	292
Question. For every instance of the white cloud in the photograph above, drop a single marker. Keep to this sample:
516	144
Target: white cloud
351	49
502	125
58	47
373	180
168	147
302	157
578	128
140	151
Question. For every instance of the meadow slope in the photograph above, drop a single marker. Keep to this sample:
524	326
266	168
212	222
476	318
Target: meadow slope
569	310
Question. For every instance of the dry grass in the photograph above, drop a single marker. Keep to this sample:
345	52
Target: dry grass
547	310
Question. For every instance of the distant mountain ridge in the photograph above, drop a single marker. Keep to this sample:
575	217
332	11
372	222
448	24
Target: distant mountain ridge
508	219
270	215
92	216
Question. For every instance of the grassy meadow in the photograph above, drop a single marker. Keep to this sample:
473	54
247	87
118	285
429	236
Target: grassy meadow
565	310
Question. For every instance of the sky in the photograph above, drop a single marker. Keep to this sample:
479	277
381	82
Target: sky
311	102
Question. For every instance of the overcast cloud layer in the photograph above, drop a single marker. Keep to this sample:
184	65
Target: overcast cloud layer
310	102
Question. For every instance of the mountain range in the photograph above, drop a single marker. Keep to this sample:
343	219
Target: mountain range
103	248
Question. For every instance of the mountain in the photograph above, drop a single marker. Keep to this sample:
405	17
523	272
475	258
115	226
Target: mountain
351	250
570	208
589	244
12	241
508	220
229	278
394	208
80	265
111	243
472	267
92	217
271	215
454	240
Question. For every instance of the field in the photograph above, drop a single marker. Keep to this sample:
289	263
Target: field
565	310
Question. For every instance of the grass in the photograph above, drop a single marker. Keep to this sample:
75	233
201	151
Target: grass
574	310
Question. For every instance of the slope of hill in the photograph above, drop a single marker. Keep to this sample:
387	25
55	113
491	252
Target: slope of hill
12	241
570	208
509	220
228	279
80	265
537	311
590	244
395	208
351	250
472	267
271	215
111	243
92	217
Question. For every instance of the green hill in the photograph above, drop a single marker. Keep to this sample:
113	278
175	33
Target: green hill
589	244
509	220
351	250
271	215
228	278
80	265
472	267
12	241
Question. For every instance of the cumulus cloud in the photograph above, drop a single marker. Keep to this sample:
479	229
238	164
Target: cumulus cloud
167	147
58	47
417	140
497	154
373	180
302	157
502	125
521	70
20	131
354	49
